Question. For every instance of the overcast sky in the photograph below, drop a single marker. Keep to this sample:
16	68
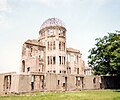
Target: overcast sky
85	20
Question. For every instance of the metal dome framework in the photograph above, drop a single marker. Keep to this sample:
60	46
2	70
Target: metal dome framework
51	22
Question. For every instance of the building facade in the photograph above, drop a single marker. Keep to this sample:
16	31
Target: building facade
48	65
49	53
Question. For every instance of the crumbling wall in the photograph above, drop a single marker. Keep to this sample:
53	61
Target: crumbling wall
92	82
24	83
1	83
51	81
20	83
15	83
63	82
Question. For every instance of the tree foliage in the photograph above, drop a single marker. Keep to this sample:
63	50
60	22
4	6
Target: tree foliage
104	58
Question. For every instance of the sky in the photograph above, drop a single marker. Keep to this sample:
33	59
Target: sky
84	20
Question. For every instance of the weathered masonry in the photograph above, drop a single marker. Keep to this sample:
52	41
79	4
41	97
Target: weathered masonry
48	65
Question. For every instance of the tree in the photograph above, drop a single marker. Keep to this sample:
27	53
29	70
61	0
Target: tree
104	58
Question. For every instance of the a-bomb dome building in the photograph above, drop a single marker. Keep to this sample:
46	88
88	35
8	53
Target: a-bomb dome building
52	22
47	64
51	54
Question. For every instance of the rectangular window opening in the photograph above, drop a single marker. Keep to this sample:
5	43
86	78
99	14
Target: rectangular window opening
64	60
60	60
54	45
59	45
48	45
48	60
54	60
58	82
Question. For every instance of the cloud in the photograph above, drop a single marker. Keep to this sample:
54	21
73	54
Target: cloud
5	24
101	2
95	2
4	10
54	3
2	21
46	2
4	6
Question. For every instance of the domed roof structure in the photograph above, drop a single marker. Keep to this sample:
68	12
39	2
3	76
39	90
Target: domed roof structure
52	22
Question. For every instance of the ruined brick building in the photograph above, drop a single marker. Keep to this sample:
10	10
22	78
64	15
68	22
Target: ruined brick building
49	54
47	64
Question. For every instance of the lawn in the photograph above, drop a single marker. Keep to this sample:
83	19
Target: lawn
80	95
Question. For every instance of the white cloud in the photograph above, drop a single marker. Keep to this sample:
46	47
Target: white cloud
4	23
54	3
46	2
101	2
4	10
95	2
4	6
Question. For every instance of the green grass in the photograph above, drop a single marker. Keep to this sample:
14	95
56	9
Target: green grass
81	95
